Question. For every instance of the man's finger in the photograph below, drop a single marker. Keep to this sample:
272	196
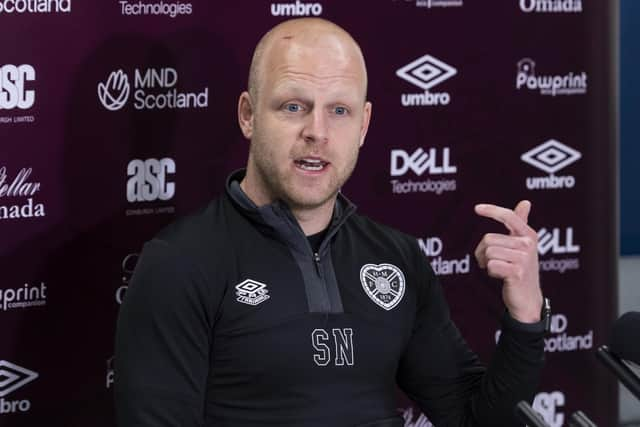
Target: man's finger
499	269
504	254
522	210
522	243
506	216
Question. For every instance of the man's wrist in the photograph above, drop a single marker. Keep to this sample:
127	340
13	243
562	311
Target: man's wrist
532	322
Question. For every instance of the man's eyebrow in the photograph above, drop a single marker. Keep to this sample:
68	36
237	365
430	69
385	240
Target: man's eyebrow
291	89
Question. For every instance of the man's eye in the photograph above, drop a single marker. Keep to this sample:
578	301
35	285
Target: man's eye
293	108
340	111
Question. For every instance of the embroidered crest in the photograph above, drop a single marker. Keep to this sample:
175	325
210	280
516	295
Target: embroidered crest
383	283
252	292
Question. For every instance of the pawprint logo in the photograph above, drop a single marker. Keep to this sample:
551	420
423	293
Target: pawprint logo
114	93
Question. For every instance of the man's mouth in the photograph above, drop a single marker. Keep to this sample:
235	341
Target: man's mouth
311	164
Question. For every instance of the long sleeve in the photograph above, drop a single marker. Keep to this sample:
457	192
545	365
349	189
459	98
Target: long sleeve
446	379
163	341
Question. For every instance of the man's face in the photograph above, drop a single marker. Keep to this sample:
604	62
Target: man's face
309	120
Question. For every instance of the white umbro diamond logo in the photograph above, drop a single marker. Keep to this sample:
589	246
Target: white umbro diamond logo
551	156
426	72
252	292
13	377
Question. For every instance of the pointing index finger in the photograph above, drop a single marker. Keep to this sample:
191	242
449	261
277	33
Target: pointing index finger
513	222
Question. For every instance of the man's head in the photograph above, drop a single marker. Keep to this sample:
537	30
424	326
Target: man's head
305	113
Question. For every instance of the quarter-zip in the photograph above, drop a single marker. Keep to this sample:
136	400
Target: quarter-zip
316	259
321	287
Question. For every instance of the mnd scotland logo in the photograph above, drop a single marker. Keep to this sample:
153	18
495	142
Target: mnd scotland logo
432	248
153	89
551	157
425	73
13	378
567	84
35	6
114	93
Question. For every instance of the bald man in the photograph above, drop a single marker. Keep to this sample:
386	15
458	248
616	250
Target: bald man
278	305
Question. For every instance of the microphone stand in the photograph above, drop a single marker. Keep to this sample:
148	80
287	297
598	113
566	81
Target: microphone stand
622	371
579	419
529	416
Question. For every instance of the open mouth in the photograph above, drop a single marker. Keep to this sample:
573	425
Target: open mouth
311	165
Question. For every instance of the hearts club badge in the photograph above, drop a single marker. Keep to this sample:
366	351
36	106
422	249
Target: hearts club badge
383	283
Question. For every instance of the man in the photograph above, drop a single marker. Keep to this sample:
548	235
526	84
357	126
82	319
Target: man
278	305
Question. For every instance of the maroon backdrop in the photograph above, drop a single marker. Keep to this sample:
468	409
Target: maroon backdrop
115	118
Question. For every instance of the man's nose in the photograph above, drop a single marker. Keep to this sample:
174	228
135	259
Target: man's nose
316	127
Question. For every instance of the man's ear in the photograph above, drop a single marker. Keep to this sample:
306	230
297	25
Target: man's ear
366	118
245	114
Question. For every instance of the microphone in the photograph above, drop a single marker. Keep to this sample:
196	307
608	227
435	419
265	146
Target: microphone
625	346
579	419
625	337
529	416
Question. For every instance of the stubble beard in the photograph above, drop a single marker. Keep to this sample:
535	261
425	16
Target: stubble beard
279	186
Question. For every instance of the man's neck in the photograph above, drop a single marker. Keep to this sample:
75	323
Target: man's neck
312	220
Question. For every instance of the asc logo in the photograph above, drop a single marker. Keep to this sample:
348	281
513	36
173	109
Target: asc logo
13	91
149	180
549	405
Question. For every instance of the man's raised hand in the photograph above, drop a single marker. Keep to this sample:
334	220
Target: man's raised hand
513	258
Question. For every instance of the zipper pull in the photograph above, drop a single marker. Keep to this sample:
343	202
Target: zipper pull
316	258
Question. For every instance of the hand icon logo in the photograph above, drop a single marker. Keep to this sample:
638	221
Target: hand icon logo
114	93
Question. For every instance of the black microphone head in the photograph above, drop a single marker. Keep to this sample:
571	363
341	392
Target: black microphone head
625	337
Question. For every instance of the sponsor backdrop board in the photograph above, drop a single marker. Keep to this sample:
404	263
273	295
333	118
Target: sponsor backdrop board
119	116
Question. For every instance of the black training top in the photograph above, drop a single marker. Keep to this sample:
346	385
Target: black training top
231	319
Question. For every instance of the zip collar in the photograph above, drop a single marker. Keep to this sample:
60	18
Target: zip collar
276	219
